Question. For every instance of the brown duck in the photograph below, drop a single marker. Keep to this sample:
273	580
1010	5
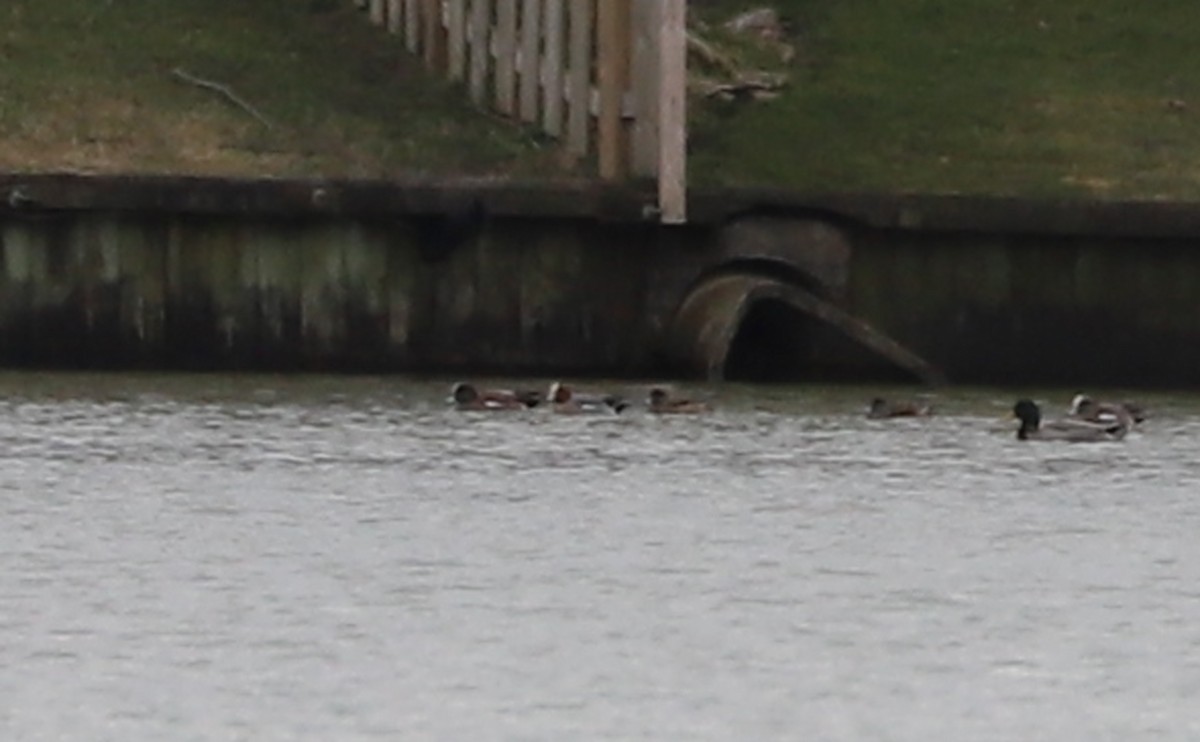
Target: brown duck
468	397
881	408
660	401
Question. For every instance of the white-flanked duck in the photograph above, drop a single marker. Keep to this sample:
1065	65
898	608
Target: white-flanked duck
1084	407
566	400
1071	430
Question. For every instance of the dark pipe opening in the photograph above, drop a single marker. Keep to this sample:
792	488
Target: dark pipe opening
773	343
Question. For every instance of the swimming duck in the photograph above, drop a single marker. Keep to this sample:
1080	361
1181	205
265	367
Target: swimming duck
660	401
468	397
881	408
1081	431
567	400
1084	407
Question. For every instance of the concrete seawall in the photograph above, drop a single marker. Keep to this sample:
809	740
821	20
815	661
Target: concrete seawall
490	276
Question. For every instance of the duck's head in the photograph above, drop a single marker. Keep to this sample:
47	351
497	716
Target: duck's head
878	406
559	393
1027	411
464	393
658	396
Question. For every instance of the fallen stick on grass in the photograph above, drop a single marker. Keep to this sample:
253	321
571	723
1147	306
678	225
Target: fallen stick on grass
224	91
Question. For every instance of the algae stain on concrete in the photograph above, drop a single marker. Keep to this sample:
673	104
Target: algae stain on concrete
22	257
549	291
401	274
143	289
322	287
275	286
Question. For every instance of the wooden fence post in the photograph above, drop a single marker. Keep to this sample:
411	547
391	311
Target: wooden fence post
480	42
644	86
378	12
579	81
552	68
613	46
456	39
395	20
412	25
434	35
672	125
506	56
531	37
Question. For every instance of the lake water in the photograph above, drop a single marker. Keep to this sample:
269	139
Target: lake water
326	558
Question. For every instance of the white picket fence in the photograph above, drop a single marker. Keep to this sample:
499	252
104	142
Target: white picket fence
608	78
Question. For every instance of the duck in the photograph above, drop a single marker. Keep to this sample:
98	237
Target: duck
1079	431
566	400
660	401
467	396
881	408
1084	407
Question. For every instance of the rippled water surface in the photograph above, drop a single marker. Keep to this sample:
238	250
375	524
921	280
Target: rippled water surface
261	558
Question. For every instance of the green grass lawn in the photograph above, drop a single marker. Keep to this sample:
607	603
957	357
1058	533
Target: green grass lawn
1034	97
87	85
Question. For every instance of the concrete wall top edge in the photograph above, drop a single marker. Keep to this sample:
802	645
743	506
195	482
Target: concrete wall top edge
585	199
33	192
961	213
